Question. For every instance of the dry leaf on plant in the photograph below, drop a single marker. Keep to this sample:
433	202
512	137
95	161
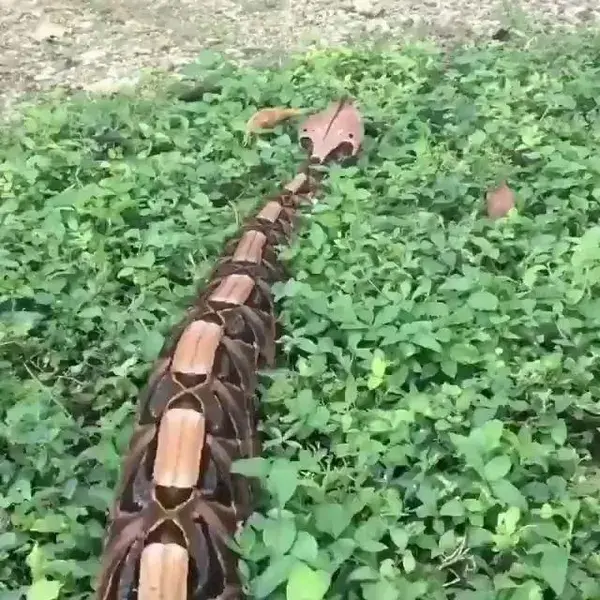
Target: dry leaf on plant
267	118
500	201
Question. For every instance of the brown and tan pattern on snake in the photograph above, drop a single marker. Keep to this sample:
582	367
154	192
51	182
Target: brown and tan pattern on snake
178	503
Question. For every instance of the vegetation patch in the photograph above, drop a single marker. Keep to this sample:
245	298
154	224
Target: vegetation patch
431	432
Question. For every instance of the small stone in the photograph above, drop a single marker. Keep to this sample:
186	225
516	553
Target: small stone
234	53
166	64
585	14
48	31
368	8
92	56
179	61
377	26
109	85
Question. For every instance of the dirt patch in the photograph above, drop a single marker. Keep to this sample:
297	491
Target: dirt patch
98	44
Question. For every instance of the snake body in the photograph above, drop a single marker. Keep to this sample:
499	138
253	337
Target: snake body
178	504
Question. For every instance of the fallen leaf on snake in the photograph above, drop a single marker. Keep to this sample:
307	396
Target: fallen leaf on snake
500	201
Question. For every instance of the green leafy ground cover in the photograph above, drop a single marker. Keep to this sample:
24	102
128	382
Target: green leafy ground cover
431	432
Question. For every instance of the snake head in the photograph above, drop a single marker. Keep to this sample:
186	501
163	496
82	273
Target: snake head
333	134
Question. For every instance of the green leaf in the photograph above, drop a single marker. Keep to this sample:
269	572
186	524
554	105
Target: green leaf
465	354
508	494
426	340
386	315
8	540
50	523
559	432
408	562
449	367
35	561
497	468
305	583
381	590
279	534
378	364
531	274
509	520
317	236
305	403
273	576
477	137
251	467
490	434
553	567
152	343
483	301
452	508
44	589
373	382
400	538
332	518
587	251
351	391
282	480
529	590
305	547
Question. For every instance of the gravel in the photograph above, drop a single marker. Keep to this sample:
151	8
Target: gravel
99	45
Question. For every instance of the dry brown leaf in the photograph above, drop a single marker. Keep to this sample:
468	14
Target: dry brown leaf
500	201
267	118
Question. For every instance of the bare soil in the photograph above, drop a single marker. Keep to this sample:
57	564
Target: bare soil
100	44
